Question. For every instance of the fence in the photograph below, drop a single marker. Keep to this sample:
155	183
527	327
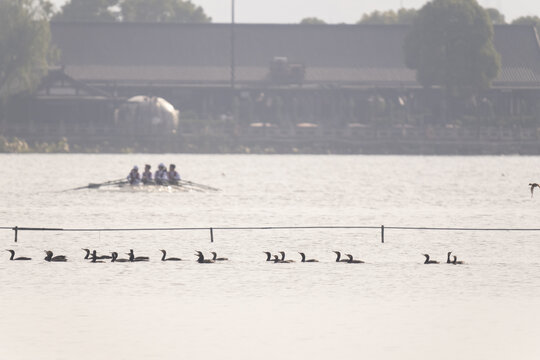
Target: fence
211	230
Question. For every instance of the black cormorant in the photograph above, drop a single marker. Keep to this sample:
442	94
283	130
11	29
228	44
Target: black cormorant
283	257
456	262
338	258
215	258
277	260
51	258
429	261
95	257
268	256
114	258
202	260
448	261
89	254
304	258
168	259
17	258
132	257
352	261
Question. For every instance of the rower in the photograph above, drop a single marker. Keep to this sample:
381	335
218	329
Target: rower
160	176
173	175
134	178
147	175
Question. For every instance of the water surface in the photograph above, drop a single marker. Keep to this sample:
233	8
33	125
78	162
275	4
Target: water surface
392	307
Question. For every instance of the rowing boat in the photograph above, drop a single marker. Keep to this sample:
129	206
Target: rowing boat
152	187
182	185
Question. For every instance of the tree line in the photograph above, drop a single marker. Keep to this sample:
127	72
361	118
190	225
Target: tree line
407	16
132	10
25	49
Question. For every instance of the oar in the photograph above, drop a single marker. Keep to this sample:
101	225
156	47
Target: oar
186	187
119	182
191	183
181	186
96	186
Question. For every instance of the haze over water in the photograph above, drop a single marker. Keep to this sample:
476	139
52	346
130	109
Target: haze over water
392	307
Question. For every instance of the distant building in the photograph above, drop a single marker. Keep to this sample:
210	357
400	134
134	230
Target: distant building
330	76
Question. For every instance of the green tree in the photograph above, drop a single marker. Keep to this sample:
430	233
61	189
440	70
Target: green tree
451	45
178	11
402	16
88	10
24	44
496	17
528	20
312	20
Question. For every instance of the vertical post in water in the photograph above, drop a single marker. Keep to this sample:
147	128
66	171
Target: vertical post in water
211	235
16	229
382	234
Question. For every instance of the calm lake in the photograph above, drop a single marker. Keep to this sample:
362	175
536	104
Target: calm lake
391	307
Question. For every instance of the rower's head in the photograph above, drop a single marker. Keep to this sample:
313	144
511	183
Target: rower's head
147	167
135	168
161	166
172	167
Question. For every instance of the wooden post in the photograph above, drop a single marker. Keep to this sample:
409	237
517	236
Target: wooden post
211	235
382	234
16	229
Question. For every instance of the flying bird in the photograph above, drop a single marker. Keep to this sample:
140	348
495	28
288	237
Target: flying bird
533	185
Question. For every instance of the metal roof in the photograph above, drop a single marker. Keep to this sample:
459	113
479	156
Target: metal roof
357	55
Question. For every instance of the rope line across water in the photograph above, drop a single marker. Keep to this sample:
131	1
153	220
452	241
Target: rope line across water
16	229
21	228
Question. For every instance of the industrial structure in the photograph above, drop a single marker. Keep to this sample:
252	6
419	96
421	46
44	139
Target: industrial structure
273	82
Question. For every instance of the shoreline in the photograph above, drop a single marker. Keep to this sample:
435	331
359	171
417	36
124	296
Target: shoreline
358	141
307	146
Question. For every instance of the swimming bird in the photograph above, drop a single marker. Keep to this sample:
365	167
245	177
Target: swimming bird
277	260
51	258
168	259
338	258
268	256
304	258
456	262
17	258
352	261
98	257
114	257
283	257
215	258
429	261
132	256
448	261
95	257
202	260
533	185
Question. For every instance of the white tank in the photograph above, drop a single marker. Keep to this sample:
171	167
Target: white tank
143	112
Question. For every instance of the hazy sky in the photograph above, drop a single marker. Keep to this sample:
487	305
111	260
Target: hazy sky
332	11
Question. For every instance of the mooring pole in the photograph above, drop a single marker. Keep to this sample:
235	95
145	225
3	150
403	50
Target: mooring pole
16	229
211	235
382	234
